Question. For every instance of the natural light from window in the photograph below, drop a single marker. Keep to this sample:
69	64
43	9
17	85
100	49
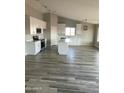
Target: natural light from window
70	31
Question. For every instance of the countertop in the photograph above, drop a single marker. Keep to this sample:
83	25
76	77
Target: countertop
31	40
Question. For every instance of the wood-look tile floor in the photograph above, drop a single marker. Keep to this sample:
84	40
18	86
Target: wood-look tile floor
78	72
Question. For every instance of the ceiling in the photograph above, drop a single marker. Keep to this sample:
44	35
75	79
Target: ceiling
72	9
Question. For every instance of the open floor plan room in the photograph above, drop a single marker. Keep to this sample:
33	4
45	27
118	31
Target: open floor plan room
62	46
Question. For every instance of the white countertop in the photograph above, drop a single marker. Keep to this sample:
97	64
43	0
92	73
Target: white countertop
31	40
64	40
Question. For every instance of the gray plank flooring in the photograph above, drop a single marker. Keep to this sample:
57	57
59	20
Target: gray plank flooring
78	72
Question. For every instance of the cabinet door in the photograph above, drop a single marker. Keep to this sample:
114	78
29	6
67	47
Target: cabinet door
61	29
32	25
37	47
78	29
43	24
36	23
39	24
30	48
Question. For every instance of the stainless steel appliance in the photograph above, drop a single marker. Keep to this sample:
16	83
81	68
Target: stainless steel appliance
42	44
35	38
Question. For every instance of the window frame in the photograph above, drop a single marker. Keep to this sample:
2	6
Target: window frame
70	32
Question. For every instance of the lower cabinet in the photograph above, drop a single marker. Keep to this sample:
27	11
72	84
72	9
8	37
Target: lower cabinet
62	48
33	48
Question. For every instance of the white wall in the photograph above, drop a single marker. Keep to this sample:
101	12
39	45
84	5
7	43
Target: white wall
96	44
84	37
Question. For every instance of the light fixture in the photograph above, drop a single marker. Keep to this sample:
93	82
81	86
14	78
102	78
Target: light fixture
84	25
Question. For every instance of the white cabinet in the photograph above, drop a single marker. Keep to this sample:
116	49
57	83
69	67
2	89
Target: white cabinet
32	48
37	47
61	29
32	25
62	47
36	23
78	29
43	24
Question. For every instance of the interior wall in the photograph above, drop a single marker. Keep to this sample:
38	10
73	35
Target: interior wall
96	44
27	24
84	38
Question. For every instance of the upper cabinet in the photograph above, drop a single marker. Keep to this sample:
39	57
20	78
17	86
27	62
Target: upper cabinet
36	23
43	24
78	29
61	29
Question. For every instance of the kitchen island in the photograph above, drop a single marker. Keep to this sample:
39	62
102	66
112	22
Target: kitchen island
33	47
62	47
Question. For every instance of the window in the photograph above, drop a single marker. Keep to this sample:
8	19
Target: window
70	31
